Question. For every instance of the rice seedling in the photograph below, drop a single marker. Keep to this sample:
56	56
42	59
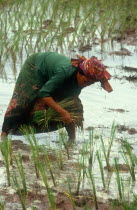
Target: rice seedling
20	193
48	164
105	154
59	155
109	175
6	151
93	187
30	137
79	177
111	139
119	181
2	204
18	161
51	199
129	158
44	117
101	168
71	195
65	142
91	138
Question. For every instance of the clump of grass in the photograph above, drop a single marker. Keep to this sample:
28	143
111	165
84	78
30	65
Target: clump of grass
6	150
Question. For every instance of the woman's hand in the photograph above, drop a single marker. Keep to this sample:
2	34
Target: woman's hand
66	117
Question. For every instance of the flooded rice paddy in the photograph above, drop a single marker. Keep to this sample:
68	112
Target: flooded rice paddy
97	172
101	109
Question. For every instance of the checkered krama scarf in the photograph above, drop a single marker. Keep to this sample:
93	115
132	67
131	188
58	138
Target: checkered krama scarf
94	70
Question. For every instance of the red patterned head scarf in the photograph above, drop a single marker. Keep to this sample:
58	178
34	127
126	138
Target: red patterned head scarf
94	69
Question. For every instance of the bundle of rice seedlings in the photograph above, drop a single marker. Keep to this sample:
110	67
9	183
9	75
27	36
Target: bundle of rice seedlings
73	105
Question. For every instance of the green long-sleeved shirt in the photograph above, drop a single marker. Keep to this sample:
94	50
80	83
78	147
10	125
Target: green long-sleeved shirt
56	75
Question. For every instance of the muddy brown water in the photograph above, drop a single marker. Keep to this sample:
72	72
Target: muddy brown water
100	110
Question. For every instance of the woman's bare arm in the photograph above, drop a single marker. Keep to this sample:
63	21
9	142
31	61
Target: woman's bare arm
49	101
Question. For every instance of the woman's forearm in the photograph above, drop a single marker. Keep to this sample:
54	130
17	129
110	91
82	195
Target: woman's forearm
49	101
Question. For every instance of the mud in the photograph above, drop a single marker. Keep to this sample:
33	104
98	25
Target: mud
18	144
122	52
121	168
131	131
85	48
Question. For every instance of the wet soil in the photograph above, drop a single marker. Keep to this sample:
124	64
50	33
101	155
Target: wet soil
122	128
121	168
36	195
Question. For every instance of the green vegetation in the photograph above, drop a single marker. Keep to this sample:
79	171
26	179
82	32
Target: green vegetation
81	169
30	26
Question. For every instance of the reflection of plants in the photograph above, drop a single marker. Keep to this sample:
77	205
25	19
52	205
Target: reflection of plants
6	150
129	158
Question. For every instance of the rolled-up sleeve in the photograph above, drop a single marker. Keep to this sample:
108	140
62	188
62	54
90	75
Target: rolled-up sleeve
54	83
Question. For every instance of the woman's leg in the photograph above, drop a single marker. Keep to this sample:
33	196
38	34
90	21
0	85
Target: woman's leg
71	130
